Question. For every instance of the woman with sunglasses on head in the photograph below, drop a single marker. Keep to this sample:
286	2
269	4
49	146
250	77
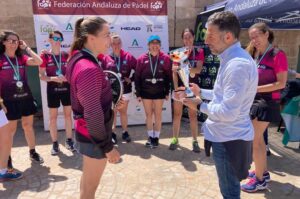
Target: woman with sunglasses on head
272	68
53	70
15	90
196	59
91	97
122	63
153	76
5	173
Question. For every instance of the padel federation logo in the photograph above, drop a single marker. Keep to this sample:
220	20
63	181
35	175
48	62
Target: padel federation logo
156	5
44	3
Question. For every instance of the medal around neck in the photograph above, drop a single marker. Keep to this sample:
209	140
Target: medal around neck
179	56
59	73
19	84
153	81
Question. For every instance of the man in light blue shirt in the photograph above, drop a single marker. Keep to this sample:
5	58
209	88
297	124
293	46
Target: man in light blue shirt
228	126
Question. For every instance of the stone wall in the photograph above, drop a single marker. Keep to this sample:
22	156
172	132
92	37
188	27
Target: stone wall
17	15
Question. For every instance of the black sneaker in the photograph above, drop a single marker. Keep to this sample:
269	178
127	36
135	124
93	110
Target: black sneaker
149	142
155	142
34	156
55	148
70	145
114	138
196	147
126	137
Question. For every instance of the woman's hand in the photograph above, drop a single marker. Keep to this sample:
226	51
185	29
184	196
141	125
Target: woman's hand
127	80
57	79
113	156
195	89
23	45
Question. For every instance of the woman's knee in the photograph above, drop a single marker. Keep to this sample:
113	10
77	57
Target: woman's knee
149	115
27	126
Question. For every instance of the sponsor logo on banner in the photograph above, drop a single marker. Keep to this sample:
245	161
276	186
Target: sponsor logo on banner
158	28
66	45
68	28
131	28
154	28
135	44
90	7
157	5
44	3
45	29
149	27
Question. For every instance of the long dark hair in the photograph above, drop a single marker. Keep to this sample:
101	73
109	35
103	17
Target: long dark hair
3	36
262	27
84	26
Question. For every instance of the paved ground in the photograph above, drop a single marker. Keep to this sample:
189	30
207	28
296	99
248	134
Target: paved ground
144	173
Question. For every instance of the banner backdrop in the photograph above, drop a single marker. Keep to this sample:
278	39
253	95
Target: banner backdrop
133	20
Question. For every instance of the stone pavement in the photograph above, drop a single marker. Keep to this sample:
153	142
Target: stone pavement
144	173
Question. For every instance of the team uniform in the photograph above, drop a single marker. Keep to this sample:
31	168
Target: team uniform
266	105
15	90
56	92
153	76
91	97
122	66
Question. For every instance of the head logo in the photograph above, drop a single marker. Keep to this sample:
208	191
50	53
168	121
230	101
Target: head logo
44	3
149	28
135	43
156	5
130	28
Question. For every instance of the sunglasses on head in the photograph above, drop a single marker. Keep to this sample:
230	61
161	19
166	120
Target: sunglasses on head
57	39
12	41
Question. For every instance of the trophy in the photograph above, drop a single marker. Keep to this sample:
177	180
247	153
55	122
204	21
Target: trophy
179	56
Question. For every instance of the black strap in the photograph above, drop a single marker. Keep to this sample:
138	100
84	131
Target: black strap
275	51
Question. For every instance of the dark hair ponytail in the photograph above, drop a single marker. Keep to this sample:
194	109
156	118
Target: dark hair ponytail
83	27
79	40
